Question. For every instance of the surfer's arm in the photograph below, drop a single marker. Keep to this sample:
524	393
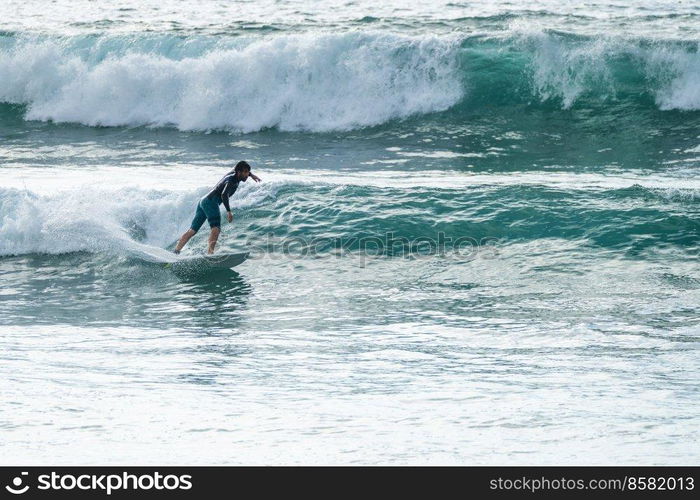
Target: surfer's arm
254	177
224	197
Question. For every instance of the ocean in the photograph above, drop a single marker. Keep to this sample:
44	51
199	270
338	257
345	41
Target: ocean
475	240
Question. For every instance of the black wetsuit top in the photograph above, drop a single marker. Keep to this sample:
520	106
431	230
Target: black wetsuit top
224	189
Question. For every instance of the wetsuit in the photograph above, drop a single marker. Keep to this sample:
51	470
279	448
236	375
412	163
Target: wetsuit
208	207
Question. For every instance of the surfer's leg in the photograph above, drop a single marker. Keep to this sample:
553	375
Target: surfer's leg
213	237
184	239
199	218
211	209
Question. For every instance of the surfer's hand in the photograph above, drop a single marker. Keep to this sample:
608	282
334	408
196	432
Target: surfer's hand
229	216
255	177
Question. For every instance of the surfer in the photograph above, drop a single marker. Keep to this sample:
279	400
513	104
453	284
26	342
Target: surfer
208	207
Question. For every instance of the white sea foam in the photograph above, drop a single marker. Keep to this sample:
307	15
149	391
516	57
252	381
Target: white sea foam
315	82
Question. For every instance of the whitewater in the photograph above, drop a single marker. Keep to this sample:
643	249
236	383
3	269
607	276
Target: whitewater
326	82
476	239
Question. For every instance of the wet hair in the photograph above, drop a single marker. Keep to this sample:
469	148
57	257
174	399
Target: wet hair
241	166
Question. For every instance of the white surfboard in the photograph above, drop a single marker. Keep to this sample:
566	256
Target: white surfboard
207	262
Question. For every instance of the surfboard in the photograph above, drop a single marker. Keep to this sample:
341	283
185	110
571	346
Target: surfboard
207	262
186	265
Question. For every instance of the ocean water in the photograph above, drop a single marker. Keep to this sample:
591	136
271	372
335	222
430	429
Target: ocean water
476	240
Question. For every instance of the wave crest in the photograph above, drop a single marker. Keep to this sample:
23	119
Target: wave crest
328	82
292	82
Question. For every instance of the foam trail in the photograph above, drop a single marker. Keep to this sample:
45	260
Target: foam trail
110	222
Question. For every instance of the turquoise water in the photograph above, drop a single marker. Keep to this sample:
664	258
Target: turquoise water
476	240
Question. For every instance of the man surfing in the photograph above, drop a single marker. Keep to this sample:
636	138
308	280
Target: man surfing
208	207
